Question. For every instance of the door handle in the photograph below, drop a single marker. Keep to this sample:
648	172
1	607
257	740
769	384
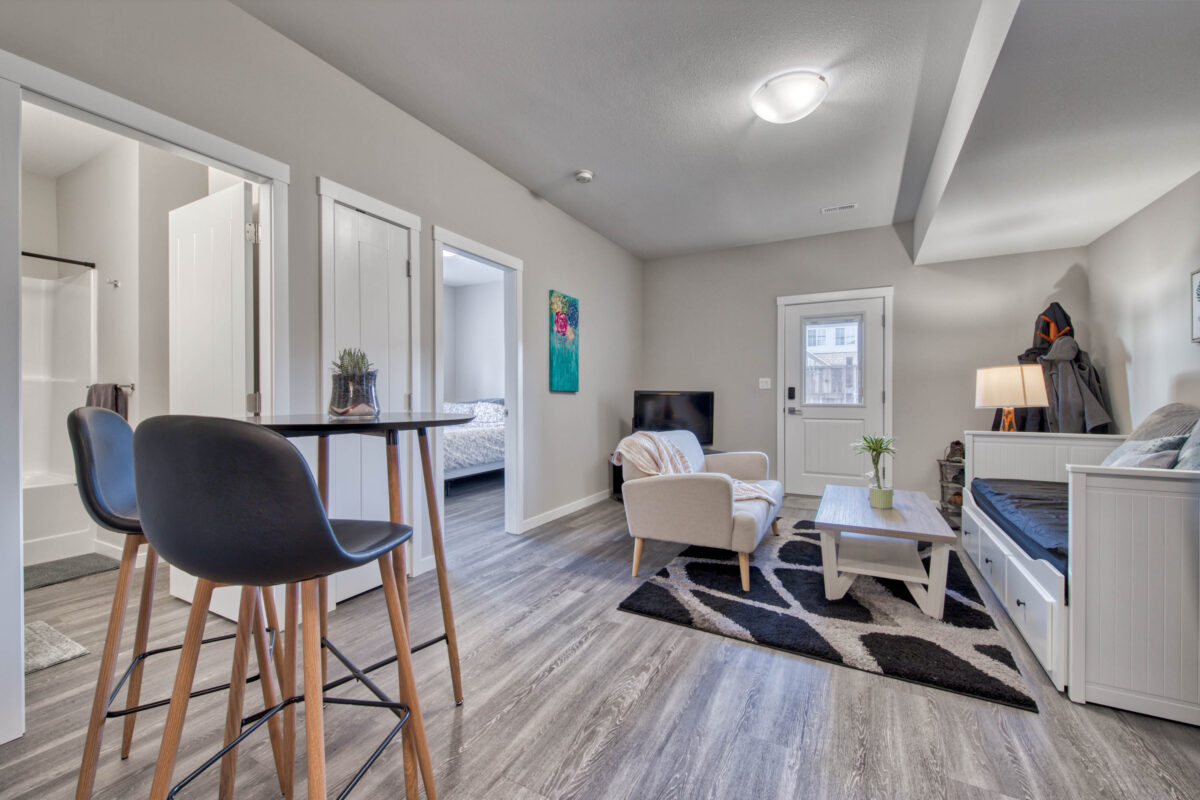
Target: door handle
799	412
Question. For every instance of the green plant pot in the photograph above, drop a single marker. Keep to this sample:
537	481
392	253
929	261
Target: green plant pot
881	498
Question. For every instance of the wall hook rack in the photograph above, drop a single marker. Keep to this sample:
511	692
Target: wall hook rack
113	282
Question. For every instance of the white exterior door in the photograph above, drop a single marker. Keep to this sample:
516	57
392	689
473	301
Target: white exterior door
368	310
833	390
211	305
211	325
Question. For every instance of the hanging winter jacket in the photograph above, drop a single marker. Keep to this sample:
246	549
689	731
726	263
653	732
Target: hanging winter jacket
1073	388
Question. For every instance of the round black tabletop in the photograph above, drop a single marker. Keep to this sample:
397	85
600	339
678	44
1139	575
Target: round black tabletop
325	425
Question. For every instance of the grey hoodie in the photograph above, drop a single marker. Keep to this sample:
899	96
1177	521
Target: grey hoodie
1073	387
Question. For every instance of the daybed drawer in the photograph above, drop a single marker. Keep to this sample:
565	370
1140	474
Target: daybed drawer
971	535
993	560
1031	609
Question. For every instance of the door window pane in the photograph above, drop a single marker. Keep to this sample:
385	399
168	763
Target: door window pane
833	361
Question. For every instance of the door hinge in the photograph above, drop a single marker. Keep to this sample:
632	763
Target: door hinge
254	403
408	402
408	268
883	320
884	393
253	233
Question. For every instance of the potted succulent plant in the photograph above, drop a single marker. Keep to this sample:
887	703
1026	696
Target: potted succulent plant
353	386
876	447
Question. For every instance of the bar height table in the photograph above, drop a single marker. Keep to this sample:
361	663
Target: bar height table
389	425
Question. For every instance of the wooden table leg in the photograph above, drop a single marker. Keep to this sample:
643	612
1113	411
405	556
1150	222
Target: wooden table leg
314	712
237	690
268	667
439	555
396	514
287	679
323	583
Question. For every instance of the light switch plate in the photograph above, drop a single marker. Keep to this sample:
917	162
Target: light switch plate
764	383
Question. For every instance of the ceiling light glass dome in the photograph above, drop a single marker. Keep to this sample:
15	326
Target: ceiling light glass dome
789	97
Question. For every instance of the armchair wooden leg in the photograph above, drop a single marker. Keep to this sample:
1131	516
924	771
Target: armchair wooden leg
637	555
314	697
184	678
149	576
775	526
237	691
108	663
744	568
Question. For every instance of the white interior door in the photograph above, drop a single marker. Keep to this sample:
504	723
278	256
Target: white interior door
211	324
370	288
211	315
833	390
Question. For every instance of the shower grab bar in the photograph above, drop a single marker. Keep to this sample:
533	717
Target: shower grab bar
88	264
129	386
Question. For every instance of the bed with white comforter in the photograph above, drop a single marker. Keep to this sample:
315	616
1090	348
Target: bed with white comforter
477	446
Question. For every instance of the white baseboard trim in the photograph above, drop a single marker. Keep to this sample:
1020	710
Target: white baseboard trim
562	511
112	551
62	545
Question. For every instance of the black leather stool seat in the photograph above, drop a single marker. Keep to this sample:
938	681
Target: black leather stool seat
103	444
235	503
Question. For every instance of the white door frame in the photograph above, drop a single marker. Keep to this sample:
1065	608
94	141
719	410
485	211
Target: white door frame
21	79
781	304
514	370
420	556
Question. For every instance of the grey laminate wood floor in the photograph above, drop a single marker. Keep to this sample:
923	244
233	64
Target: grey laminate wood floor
567	697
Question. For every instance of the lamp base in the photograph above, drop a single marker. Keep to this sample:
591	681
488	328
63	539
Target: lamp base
1008	421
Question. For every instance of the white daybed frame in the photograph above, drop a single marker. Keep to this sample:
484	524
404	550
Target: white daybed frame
1130	636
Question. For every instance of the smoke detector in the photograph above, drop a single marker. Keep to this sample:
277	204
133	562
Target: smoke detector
584	176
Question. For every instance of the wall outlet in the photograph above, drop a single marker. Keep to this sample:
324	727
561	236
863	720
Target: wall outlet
764	383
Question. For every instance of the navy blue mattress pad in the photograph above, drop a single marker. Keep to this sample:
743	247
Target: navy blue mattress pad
1032	513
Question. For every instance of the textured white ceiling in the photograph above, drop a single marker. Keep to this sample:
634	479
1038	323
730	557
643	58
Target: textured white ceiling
1091	113
654	97
53	144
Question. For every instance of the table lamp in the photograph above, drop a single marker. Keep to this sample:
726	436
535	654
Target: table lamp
1009	387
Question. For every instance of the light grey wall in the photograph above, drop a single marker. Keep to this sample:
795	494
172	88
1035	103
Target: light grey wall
1140	278
213	66
98	221
478	355
710	323
39	214
165	182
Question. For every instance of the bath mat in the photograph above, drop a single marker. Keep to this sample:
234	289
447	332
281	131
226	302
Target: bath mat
876	627
45	647
67	569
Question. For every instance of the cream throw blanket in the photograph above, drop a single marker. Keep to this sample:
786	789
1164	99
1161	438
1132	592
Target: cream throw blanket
657	455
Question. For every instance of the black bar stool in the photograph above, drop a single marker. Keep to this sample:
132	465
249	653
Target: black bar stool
102	442
234	504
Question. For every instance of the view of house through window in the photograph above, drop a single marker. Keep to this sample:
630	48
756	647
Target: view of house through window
833	361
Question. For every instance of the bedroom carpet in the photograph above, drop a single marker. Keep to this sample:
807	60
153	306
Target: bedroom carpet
876	627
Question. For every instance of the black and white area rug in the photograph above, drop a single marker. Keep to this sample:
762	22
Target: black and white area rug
876	627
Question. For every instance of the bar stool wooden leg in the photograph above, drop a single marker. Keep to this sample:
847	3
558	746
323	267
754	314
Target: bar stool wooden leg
108	663
270	693
133	696
314	713
267	603
408	689
237	690
411	776
288	680
439	555
184	678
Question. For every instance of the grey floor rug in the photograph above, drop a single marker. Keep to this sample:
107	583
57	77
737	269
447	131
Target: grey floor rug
45	647
67	569
876	627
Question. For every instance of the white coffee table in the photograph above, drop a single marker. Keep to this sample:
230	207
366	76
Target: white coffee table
857	539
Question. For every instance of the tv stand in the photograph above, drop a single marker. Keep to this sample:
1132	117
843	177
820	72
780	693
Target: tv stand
618	477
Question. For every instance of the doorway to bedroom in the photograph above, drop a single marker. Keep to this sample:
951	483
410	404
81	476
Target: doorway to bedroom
477	373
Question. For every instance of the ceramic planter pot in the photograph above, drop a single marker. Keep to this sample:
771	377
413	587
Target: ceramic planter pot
354	395
881	498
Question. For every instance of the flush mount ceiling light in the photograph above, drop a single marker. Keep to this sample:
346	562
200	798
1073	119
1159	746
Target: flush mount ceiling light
789	97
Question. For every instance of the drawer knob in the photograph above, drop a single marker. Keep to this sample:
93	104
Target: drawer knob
1020	602
987	561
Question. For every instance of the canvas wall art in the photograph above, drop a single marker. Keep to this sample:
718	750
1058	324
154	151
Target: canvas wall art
564	342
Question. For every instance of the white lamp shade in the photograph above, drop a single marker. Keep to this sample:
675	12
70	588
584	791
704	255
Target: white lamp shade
789	97
1015	386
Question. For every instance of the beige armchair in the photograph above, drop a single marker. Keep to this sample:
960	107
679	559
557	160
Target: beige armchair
699	508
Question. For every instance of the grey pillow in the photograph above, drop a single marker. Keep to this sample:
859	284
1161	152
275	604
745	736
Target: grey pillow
1189	456
1161	452
1173	419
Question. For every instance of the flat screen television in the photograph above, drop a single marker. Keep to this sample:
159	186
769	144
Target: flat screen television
675	411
